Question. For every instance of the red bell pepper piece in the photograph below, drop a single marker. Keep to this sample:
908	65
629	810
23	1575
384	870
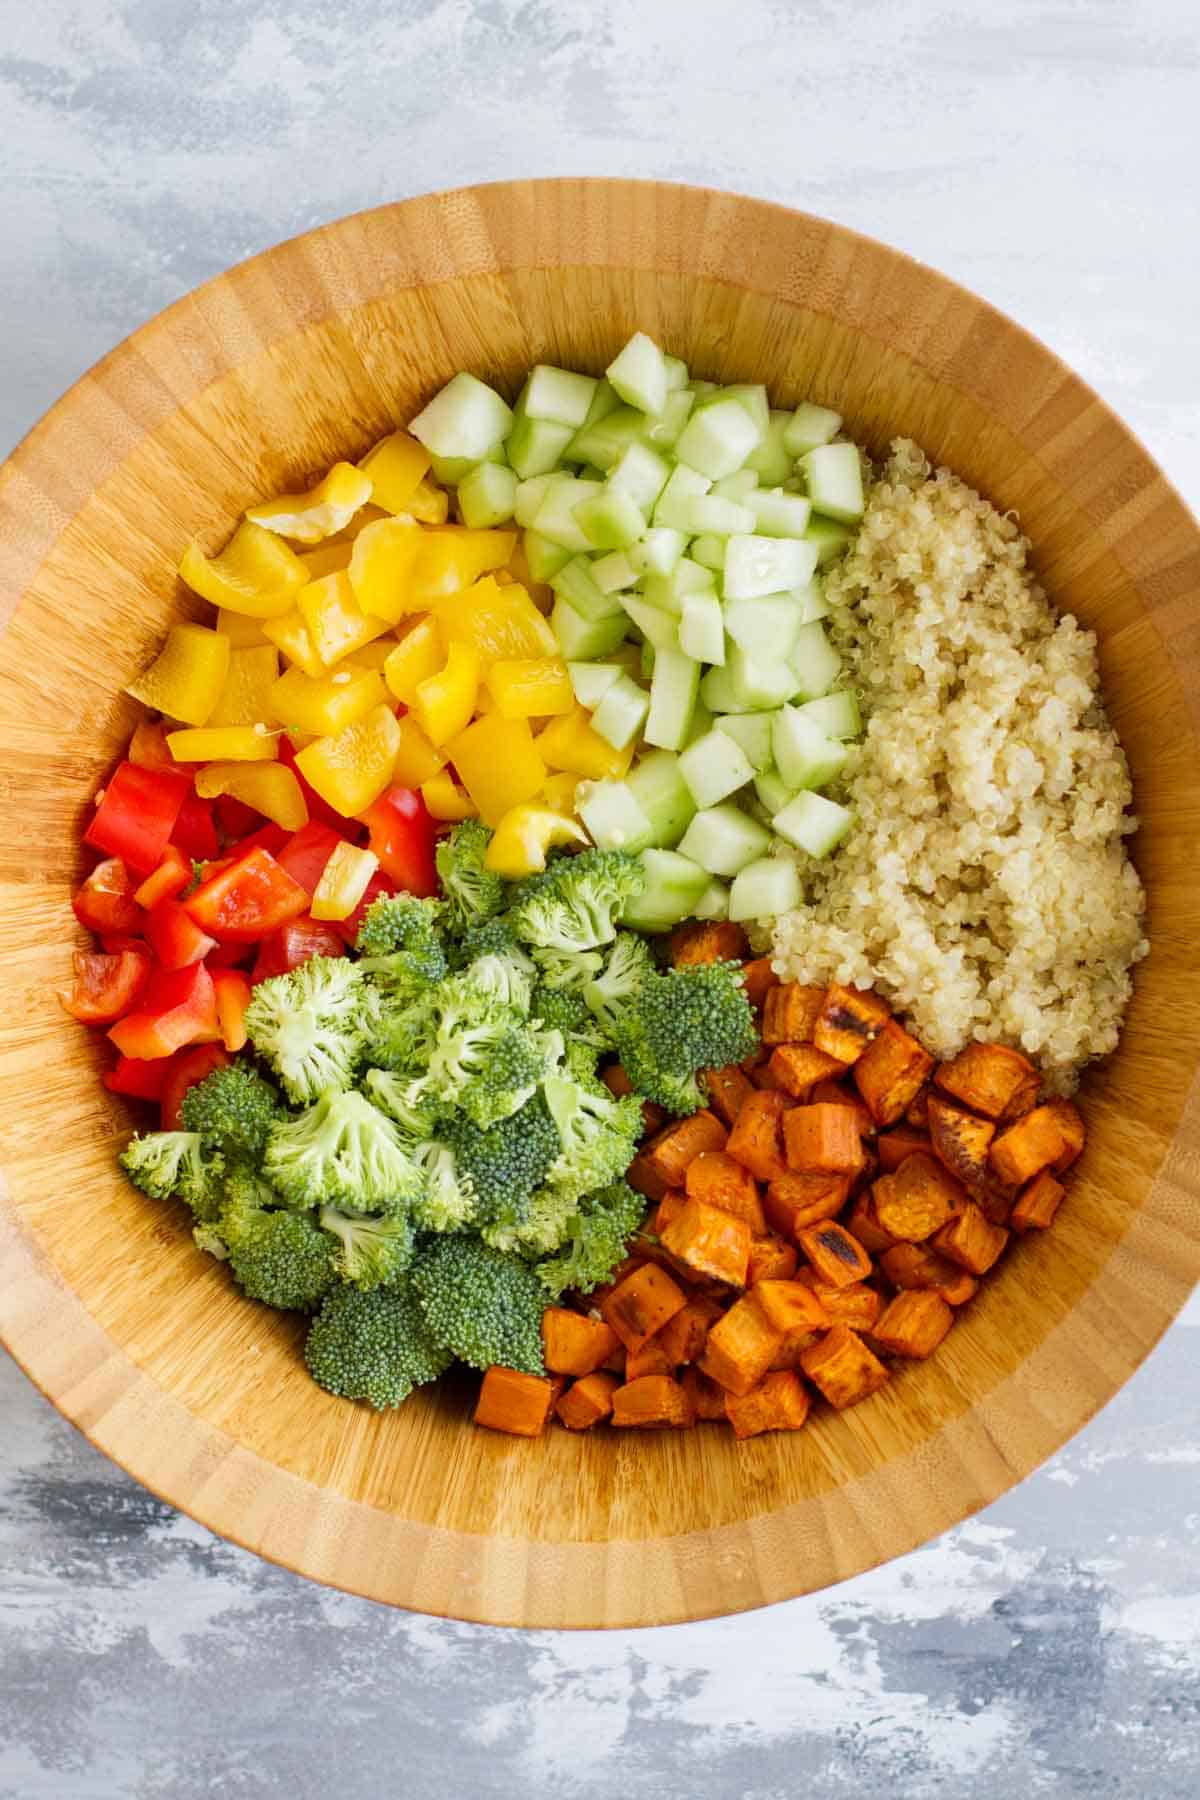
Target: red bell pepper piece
247	900
174	937
269	837
235	820
403	835
176	1007
113	942
106	987
232	989
307	851
139	1079
229	956
105	901
195	832
137	814
189	1067
293	944
171	877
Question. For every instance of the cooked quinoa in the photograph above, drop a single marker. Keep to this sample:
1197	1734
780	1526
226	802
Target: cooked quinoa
985	887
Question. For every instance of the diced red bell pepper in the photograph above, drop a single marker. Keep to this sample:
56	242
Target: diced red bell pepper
293	944
229	956
105	902
148	746
171	877
189	1067
174	936
137	815
235	820
232	989
176	1007
247	900
195	831
106	987
113	942
307	851
318	808
139	1078
268	837
403	835
349	926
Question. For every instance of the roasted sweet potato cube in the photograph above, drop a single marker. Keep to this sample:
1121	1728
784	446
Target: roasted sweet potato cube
824	1138
836	1093
862	1222
652	1400
587	1401
668	1208
891	1147
644	1178
728	1091
917	1198
985	1077
1070	1124
838	1258
778	1403
842	1368
795	1067
790	1012
857	1305
711	1242
758	978
683	1338
671	1150
797	1199
848	1021
651	1359
513	1402
641	1305
1023	1099
740	1346
614	1362
917	1266
617	1082
720	1180
574	1344
971	1240
960	1140
913	1324
1023	1150
790	1306
916	1113
708	941
756	1140
771	1259
1037	1204
890	1072
707	1398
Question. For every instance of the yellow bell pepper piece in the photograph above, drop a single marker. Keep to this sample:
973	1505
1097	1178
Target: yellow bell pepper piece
290	634
351	770
417	760
224	743
428	503
243	632
446	801
327	705
523	836
246	696
327	558
270	788
452	557
420	653
396	466
570	744
343	882
501	622
186	677
318	511
444	704
498	763
558	792
256	573
531	687
335	623
381	567
370	656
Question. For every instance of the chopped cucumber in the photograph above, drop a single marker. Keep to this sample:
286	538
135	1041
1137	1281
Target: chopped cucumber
804	755
544	559
645	668
811	602
658	552
663	432
753	732
605	400
673	886
574	584
753	396
772	462
641	474
613	816
720	696
838	714
536	446
718	438
816	663
736	486
765	889
555	518
700	390
613	572
605	442
757	565
772	790
761	681
622	712
581	639
715	767
684	485
677	373
834	476
701	631
765	627
713	902
723	839
709	550
558	395
592	680
778	514
610	521
702	722
810	426
465	419
487	496
813	823
829	536
531	491
450	470
687	577
673	688
657	785
639	374
656	625
711	515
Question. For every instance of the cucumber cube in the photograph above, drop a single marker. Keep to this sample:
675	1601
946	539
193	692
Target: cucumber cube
592	680
658	552
614	572
772	461
612	815
723	839
765	889
543	558
639	374
702	722
753	732
810	601
711	515
657	785
682	486
605	400
448	471
701	632
778	514
555	518
759	681
702	390
709	550
487	496
715	767
718	693
673	886
804	755
677	373
531	491
815	662
621	713
465	419
753	396
834	476
641	474
813	823
756	565
830	538
765	627
673	688
718	438
736	486
809	426
605	442
581	639
837	714
657	626
558	395
611	521
772	790
687	577
713	902
574	584
645	668
536	446
663	431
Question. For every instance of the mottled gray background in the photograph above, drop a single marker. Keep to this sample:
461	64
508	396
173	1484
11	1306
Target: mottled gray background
1047	155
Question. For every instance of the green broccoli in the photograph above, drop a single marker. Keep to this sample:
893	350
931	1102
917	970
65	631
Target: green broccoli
507	1163
399	946
485	1059
311	1025
406	1100
504	976
629	963
598	1234
572	969
495	937
448	1203
372	1346
233	1109
208	1238
564	1010
372	1252
690	1018
482	1306
342	1152
471	892
598	1133
163	1163
280	1258
540	1225
574	905
403	1031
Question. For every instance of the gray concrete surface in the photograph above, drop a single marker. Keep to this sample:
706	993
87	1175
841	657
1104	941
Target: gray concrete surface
1045	153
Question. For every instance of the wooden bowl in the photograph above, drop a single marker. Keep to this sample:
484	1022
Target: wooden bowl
261	378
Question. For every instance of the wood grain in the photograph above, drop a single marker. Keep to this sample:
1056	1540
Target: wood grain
258	380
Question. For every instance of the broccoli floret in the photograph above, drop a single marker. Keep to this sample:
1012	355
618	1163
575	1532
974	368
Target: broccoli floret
495	937
598	1133
163	1163
581	1056
372	1346
448	1203
574	905
598	1232
208	1238
280	1258
563	1010
341	1152
690	1018
482	1306
629	963
471	892
407	1102
507	1163
403	1032
571	969
538	1227
485	1059
371	1252
506	977
233	1109
310	1025
400	948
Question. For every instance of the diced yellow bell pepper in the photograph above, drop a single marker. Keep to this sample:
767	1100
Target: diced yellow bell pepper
417	761
336	625
186	677
420	653
370	656
243	632
246	696
351	770
326	559
318	511
381	567
452	557
344	881
570	744
327	705
256	573
445	703
445	800
523	836
367	515
498	764
428	503
558	792
270	788
396	466
501	622
531	687
224	743
290	634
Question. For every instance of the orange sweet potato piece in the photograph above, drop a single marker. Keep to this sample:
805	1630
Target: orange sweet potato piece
641	1304
587	1401
1073	1131
790	1012
1037	1204
794	1068
671	1150
618	1083
651	1359
708	941
652	1400
917	1266
857	1305
644	1178
574	1344
513	1402
668	1208
971	1240
720	1180
711	1242
823	1137
893	1146
834	1093
917	1198
790	1306
797	1199
913	1324
778	1403
862	1222
891	1071
916	1113
758	978
683	1338
985	1077
756	1140
707	1399
728	1091
771	1259
614	1362
740	1346
848	1021
960	1140
1024	1098
842	1368
1023	1150
838	1258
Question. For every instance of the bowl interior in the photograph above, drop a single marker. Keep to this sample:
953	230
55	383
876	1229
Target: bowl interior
260	380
